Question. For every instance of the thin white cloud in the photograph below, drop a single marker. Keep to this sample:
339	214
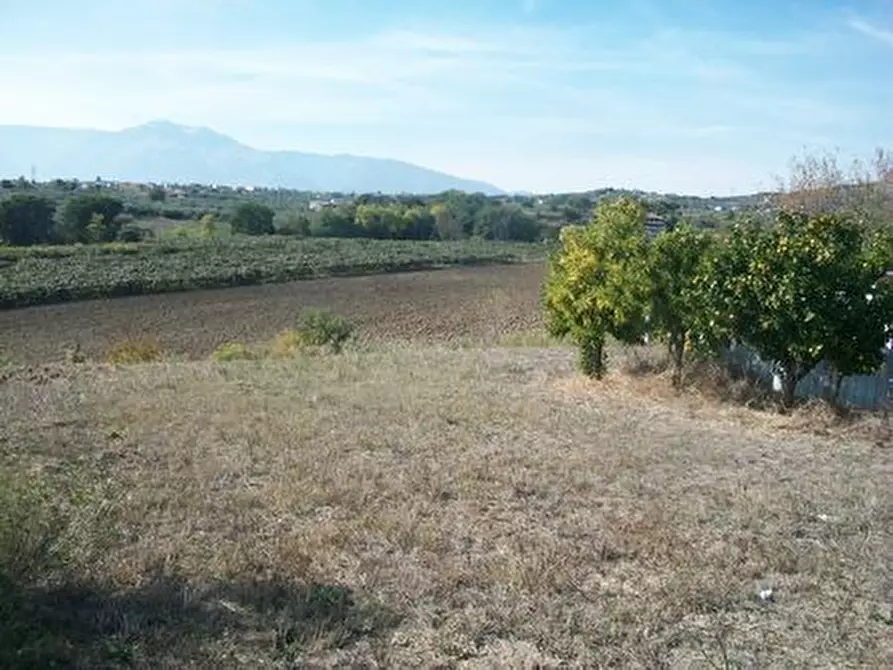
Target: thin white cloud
871	30
515	106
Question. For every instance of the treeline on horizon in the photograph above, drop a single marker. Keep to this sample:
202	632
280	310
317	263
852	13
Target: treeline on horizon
71	211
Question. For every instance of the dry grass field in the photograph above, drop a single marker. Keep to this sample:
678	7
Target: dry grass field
409	505
414	503
471	303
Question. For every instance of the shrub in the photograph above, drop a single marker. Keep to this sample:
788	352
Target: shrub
208	226
297	225
234	351
286	344
135	350
320	328
316	329
131	233
31	527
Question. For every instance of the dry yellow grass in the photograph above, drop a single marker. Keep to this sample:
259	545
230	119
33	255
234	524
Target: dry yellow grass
466	508
134	350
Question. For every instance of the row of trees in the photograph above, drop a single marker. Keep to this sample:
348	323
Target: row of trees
31	219
452	219
27	218
803	290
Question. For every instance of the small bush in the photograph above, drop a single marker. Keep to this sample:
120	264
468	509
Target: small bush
286	344
135	350
31	529
319	328
235	351
297	225
132	233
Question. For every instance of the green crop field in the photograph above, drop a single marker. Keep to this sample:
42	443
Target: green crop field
44	275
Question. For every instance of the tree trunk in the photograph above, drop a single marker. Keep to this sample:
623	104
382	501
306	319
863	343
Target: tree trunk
677	353
789	379
592	356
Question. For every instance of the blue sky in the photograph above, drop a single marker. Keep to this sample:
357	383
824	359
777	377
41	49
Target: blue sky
693	96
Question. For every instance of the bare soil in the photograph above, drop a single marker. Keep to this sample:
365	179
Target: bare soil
471	303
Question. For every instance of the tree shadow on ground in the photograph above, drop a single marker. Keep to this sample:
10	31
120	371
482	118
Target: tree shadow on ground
169	622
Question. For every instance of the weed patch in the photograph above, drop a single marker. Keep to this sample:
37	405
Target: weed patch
235	351
134	350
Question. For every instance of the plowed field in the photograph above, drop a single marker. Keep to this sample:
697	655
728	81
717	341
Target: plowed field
476	303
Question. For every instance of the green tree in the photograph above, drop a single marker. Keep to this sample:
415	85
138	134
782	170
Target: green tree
96	227
295	224
26	219
418	223
157	194
78	215
335	222
505	222
253	218
464	208
858	328
577	208
208	226
380	221
675	263
797	294
598	282
446	225
668	210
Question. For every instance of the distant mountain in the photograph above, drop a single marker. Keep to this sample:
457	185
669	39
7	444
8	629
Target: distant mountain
162	151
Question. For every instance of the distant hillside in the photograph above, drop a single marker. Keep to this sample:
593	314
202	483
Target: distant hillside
166	152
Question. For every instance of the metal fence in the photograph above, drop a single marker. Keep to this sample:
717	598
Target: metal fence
859	391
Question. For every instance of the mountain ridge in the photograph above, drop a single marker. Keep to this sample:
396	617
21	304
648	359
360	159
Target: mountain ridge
165	151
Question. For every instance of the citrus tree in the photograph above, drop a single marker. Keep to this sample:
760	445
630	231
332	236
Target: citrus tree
800	292
598	283
675	262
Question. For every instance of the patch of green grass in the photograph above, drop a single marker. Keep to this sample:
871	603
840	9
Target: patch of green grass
235	351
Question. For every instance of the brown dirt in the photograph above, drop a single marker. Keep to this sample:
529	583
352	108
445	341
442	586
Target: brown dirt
475	303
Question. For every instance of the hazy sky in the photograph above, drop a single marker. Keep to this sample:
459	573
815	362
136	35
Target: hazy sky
697	96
